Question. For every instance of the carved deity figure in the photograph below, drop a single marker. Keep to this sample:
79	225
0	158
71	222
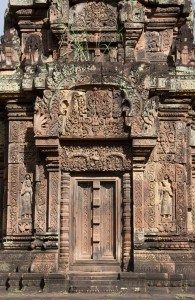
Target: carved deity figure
166	198
113	54
32	49
26	197
185	55
126	10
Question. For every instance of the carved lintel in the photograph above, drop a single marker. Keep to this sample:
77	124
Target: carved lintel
142	147
47	144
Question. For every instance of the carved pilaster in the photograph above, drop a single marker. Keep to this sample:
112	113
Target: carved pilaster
138	206
193	191
21	169
127	247
41	198
50	182
64	221
53	194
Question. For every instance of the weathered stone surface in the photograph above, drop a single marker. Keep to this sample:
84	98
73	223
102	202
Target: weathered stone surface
97	144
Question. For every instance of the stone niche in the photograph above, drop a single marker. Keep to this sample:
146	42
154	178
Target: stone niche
97	145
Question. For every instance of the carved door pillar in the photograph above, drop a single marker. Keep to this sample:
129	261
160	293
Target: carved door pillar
2	175
138	205
49	147
53	194
191	224
127	221
142	148
64	222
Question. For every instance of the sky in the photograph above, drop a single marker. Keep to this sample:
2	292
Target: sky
3	6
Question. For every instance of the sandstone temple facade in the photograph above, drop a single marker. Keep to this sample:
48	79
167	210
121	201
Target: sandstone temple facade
97	144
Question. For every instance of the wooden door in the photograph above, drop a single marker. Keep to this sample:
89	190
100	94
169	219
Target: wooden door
96	220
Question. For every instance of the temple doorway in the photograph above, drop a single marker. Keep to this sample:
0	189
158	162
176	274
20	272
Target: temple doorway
96	216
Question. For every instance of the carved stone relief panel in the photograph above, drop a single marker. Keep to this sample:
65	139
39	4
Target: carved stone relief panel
41	198
131	11
21	168
152	41
165	174
53	201
58	12
166	39
25	205
171	146
150	197
96	113
184	45
138	210
93	14
89	157
166	198
31	47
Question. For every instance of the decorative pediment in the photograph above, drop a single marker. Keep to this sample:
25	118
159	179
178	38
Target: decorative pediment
73	107
93	15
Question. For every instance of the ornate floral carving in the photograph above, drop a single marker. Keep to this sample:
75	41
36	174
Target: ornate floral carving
95	158
53	201
93	14
41	202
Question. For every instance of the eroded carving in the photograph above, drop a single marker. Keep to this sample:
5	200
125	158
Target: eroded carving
26	198
94	158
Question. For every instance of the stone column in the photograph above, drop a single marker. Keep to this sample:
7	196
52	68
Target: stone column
127	246
64	222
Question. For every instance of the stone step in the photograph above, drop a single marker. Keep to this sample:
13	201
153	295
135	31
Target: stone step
87	288
89	276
